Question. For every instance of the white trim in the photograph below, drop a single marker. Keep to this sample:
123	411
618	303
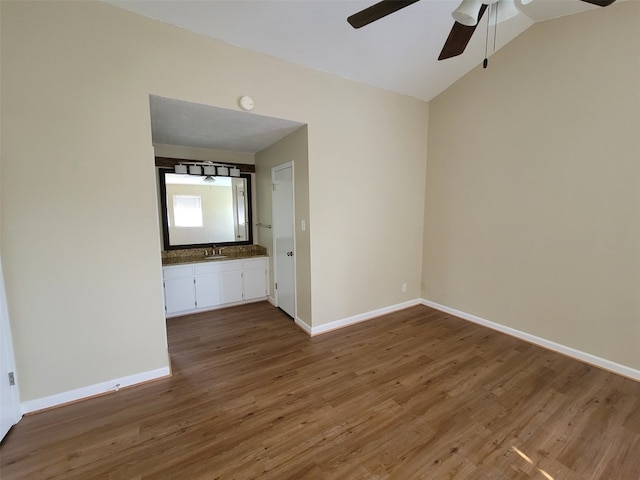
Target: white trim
182	313
542	342
272	300
10	403
277	168
303	325
30	406
362	317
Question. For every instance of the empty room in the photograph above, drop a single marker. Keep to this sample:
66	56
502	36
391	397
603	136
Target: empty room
320	239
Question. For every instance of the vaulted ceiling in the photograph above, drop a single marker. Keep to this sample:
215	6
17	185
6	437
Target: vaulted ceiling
397	53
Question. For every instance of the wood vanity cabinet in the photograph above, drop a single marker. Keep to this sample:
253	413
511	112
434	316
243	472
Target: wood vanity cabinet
203	286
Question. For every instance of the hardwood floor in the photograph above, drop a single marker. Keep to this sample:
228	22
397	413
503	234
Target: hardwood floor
416	394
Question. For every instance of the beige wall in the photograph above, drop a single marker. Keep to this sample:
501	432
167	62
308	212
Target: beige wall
80	229
292	148
532	215
203	154
79	250
365	243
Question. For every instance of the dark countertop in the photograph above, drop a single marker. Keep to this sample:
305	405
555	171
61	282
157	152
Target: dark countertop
200	259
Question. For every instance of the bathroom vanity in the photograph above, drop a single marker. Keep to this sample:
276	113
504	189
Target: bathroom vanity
194	286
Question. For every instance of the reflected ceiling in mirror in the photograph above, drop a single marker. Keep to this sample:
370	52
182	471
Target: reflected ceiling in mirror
205	210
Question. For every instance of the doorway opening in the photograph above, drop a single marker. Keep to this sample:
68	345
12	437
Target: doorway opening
187	130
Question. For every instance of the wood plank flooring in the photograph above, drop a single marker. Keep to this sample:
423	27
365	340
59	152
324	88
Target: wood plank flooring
416	394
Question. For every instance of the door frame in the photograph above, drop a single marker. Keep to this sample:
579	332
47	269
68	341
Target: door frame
273	216
12	411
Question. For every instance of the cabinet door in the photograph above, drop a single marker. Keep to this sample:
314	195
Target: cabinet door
231	286
255	283
179	294
208	290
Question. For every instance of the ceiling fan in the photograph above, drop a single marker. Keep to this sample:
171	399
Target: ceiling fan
466	16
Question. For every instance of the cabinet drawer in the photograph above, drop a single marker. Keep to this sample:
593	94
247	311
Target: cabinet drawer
217	267
251	264
177	272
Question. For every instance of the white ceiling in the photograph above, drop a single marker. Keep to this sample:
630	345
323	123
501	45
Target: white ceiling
397	53
188	124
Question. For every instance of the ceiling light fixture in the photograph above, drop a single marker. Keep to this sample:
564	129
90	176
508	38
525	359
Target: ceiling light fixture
506	10
467	12
208	169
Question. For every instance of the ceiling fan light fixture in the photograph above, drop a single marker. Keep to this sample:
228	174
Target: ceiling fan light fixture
506	9
467	12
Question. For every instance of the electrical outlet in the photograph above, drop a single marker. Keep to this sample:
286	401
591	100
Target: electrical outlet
404	287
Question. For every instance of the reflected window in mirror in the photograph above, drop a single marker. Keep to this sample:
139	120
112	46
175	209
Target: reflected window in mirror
204	210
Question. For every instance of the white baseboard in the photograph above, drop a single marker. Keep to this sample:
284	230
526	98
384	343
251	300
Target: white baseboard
345	322
114	385
182	313
542	342
303	325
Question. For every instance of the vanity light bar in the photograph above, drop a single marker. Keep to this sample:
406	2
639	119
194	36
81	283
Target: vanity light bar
208	169
195	170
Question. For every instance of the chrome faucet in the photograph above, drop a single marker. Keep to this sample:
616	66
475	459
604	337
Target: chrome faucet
213	250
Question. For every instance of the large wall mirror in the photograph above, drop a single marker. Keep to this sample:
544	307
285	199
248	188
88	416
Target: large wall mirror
200	211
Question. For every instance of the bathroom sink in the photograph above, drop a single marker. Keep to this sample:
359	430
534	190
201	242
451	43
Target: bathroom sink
214	257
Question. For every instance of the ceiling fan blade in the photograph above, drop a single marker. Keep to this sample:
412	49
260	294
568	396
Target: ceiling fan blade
459	38
377	11
600	3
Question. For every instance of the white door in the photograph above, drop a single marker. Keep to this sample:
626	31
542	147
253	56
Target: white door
10	412
283	241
